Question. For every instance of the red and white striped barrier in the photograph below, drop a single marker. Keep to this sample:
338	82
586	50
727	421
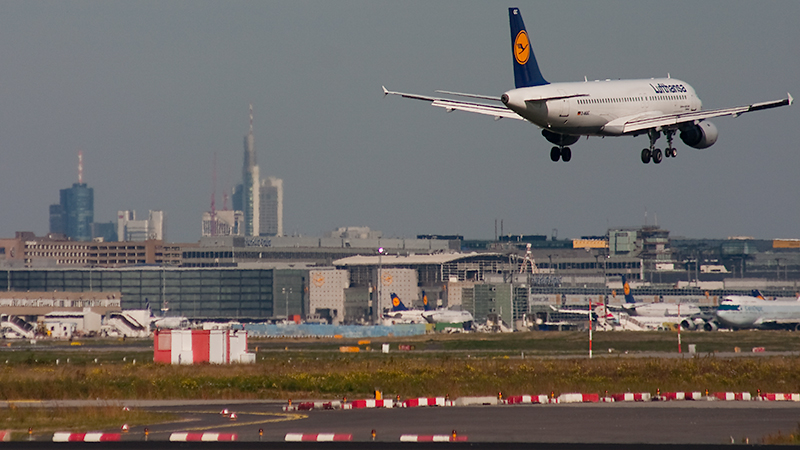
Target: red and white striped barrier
431	438
523	399
203	437
577	398
682	396
781	397
320	437
66	436
732	396
307	406
5	436
427	401
631	397
358	404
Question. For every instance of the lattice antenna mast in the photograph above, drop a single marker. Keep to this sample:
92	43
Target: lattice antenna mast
80	166
214	196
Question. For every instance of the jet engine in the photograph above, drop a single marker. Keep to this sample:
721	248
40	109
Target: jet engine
688	324
702	135
710	326
561	139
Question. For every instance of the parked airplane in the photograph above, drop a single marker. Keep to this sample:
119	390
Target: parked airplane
400	313
567	111
634	308
743	311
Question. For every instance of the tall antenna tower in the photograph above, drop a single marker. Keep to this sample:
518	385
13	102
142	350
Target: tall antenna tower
80	166
214	196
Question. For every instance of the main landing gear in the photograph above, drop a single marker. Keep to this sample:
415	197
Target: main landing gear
655	153
564	153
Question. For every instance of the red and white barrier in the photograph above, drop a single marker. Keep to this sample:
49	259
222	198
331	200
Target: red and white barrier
781	397
682	396
577	398
66	436
524	399
203	437
427	401
732	396
320	437
358	404
431	438
631	397
5	436
307	406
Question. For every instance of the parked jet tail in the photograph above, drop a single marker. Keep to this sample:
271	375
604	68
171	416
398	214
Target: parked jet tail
757	294
526	70
425	303
626	288
397	305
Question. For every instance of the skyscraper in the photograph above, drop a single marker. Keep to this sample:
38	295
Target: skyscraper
271	208
74	215
250	184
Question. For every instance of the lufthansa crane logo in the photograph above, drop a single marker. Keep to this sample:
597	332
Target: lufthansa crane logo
626	288
319	280
522	48
395	301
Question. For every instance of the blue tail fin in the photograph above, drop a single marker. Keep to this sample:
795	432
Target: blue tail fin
428	306
626	289
526	70
397	305
757	294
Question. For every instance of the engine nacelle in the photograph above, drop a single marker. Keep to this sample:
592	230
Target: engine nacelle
559	139
688	324
710	326
702	135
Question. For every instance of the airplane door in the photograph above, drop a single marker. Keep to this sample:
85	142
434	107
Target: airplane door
564	105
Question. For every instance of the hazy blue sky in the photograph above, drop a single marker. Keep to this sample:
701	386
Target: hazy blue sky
151	90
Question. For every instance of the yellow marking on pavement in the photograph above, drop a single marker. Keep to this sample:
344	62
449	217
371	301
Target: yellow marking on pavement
282	417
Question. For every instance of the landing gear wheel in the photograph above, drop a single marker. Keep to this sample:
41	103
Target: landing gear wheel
555	154
646	155
566	154
657	156
667	152
674	152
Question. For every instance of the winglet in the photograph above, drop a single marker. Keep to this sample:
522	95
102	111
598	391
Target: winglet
791	100
385	91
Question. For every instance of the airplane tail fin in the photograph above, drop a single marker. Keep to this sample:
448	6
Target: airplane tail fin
526	70
626	289
757	294
397	305
425	303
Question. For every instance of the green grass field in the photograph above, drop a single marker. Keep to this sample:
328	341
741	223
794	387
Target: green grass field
458	365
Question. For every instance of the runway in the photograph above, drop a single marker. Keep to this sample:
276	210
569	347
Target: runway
698	422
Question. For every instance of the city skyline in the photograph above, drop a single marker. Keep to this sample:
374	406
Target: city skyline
150	96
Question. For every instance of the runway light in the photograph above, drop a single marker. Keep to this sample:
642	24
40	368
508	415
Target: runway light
125	428
373	434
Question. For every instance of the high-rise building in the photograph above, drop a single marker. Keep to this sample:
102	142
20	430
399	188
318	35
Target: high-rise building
250	184
271	208
74	215
131	230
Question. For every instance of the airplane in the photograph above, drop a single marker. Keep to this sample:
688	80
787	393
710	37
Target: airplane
442	315
634	308
401	314
567	111
753	311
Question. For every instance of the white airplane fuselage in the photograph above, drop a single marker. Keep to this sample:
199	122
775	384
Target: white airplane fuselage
590	108
738	311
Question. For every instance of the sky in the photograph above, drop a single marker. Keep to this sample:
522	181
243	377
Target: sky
150	91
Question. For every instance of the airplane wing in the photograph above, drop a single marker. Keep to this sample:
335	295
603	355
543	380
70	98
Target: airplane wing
638	123
498	112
